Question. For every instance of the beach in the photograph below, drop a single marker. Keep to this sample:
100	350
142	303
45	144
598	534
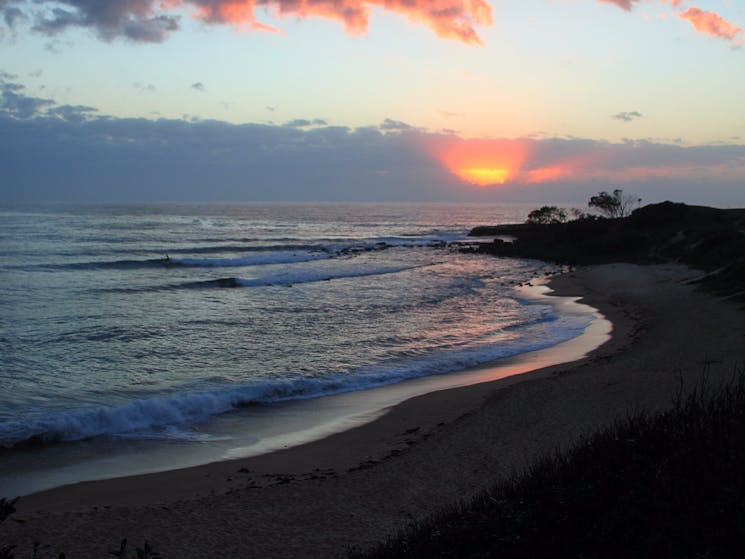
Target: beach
360	486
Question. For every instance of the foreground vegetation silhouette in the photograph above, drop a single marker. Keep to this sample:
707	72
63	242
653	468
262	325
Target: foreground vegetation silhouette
664	485
655	485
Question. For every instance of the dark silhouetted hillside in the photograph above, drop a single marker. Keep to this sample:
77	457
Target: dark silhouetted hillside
709	239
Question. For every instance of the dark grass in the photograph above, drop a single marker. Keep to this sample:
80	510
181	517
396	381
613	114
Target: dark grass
728	281
666	485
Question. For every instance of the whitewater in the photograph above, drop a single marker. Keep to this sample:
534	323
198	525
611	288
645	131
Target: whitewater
150	323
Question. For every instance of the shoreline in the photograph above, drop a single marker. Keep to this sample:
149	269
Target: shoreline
284	425
361	485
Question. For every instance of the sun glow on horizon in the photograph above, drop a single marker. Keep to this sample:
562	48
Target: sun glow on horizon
484	177
524	162
482	162
501	162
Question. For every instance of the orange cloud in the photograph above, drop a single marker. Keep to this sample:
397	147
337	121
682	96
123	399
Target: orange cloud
711	23
553	173
452	19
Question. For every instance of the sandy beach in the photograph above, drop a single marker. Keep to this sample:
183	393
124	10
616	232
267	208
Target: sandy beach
355	488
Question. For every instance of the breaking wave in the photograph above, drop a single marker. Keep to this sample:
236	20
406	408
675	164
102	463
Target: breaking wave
285	278
153	416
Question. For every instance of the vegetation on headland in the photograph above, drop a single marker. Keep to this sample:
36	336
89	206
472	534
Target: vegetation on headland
611	205
616	204
664	485
709	239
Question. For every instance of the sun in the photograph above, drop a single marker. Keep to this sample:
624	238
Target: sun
483	162
484	176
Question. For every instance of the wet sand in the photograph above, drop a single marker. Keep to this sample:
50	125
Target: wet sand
359	486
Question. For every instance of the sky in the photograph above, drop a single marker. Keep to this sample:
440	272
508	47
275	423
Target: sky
545	101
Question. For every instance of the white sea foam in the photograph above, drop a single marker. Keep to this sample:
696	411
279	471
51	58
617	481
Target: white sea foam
295	277
171	416
253	259
293	254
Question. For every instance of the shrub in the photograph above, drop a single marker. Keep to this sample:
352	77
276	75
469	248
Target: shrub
547	215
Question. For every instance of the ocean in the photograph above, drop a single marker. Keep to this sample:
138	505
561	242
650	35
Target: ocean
129	329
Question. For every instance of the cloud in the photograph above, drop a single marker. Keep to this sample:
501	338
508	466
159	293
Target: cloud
13	15
711	23
305	123
55	46
136	20
55	155
72	153
390	124
104	158
708	23
71	113
145	87
153	20
451	114
627	116
17	105
624	4
14	103
452	19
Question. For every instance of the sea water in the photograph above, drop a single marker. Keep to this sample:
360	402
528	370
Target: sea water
125	323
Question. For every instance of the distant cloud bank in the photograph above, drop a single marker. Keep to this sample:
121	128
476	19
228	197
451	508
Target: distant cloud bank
73	153
154	20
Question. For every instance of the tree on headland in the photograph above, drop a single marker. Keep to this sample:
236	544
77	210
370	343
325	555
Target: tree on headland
546	215
614	205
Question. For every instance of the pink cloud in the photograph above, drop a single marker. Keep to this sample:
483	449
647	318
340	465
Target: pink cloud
154	20
451	19
711	23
